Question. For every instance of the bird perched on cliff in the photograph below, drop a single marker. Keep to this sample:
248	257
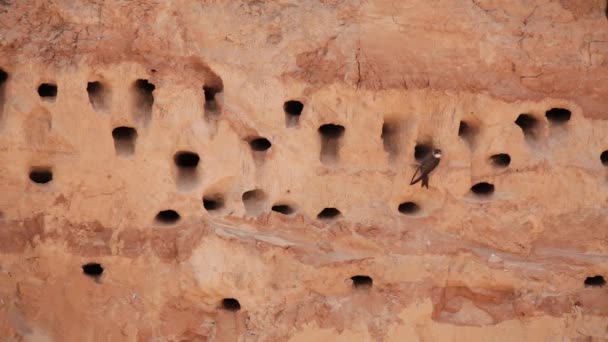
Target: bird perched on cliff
427	165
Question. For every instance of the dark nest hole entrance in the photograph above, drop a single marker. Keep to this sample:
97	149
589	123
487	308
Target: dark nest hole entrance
362	282
167	217
409	208
47	91
467	131
212	108
213	202
231	304
186	160
595	281
604	158
259	144
144	100
483	189
293	110
528	124
3	78
330	142
96	91
329	214
501	160
390	139
124	140
92	269
41	175
422	150
283	209
558	115
254	201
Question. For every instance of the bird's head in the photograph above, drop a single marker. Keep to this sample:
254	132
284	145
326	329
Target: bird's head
437	153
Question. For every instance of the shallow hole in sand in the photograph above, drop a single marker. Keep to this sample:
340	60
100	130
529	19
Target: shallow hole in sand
500	160
421	150
186	160
144	100
41	175
329	214
47	91
390	138
409	208
231	304
558	115
362	282
604	158
124	140
330	142
293	110
483	189
96	91
595	281
92	269
167	217
213	202
211	105
254	201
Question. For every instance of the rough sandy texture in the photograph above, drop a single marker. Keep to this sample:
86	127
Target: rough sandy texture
509	265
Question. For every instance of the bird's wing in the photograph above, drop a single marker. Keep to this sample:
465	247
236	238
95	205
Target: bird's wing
428	164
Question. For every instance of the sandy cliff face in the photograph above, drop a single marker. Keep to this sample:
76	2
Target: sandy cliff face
239	170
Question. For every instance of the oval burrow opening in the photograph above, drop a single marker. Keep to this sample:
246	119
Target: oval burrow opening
167	217
409	208
212	105
500	160
47	91
259	144
3	79
529	125
483	189
284	209
254	201
92	269
97	92
362	282
330	134
143	101
230	304
558	116
124	140
595	281
328	214
213	203
422	150
468	131
391	134
41	174
187	164
293	110
604	158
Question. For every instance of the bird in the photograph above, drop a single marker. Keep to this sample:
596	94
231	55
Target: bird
427	165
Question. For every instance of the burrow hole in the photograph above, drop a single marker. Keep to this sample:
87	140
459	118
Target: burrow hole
186	163
259	144
254	201
124	140
467	131
41	175
47	91
558	115
329	214
409	208
92	269
212	107
284	209
422	150
483	189
595	281
213	202
3	78
604	158
231	304
330	142
293	110
97	95
390	138
500	160
167	217
528	124
144	100
362	282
